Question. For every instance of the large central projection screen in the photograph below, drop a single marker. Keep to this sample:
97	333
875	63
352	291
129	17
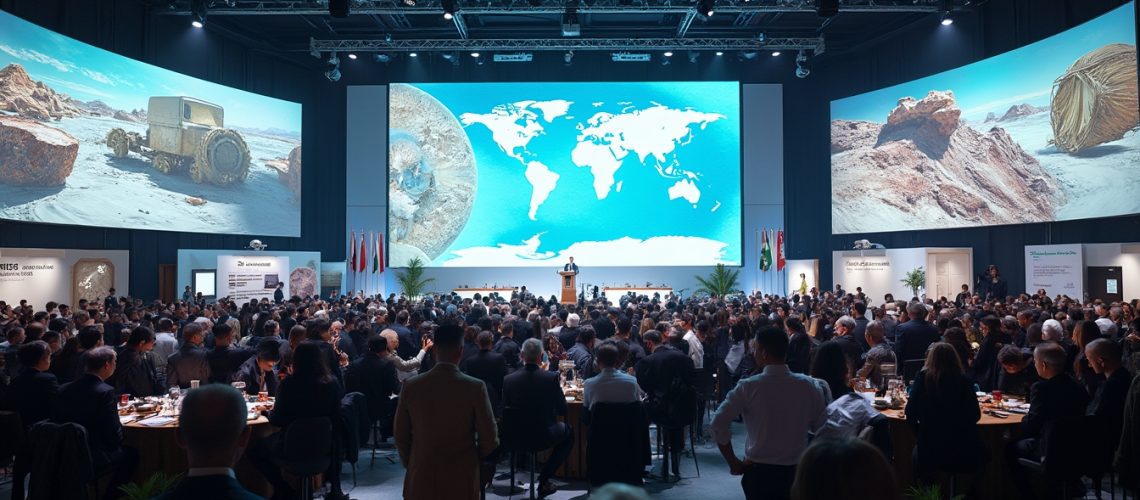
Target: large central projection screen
1043	133
528	174
89	137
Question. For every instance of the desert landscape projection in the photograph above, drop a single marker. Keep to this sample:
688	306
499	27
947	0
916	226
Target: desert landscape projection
1043	133
528	174
88	137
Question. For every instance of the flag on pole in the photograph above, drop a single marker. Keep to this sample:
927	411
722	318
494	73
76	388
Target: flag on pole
379	263
352	252
765	254
363	253
376	253
780	250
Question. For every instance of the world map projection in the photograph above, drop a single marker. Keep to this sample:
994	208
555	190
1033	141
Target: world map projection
613	174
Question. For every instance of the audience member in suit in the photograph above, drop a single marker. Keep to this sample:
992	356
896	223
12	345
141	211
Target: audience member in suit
845	338
1108	402
1127	459
568	335
226	357
135	373
68	364
189	362
309	392
859	315
279	293
944	413
490	367
799	346
429	442
914	337
656	374
319	331
90	402
604	327
32	392
508	347
582	354
634	352
1056	396
16	337
257	371
611	385
984	370
1017	372
374	375
212	429
409	340
537	393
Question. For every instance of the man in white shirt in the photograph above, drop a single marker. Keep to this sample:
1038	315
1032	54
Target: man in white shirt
780	409
696	349
610	385
165	343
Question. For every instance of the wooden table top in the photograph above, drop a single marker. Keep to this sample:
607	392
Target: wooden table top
987	419
174	425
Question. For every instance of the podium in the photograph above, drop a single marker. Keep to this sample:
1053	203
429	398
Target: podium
569	287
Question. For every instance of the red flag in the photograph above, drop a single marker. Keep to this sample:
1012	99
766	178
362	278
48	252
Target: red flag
363	252
352	251
780	250
380	250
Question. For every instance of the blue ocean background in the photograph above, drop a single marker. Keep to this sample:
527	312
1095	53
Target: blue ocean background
573	213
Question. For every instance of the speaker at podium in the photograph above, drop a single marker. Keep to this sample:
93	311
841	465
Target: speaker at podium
569	285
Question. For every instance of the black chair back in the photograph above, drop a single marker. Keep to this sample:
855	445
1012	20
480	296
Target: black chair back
308	446
617	447
59	464
911	367
1103	439
878	433
1064	447
523	431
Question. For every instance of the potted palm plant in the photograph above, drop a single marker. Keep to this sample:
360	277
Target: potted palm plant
915	279
721	282
412	278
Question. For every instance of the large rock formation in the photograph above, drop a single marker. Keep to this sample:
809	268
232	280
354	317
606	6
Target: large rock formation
34	154
31	99
289	171
1020	110
925	169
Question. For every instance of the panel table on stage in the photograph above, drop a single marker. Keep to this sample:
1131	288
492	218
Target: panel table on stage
613	292
503	291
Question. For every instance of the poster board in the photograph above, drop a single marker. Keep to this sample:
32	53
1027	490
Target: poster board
1059	269
40	275
246	277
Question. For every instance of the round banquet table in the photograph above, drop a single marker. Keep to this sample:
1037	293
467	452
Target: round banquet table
995	480
159	452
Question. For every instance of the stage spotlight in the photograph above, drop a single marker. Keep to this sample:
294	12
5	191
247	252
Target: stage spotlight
339	8
571	26
775	53
665	59
668	53
946	19
803	65
568	57
475	54
333	73
450	57
198	12
388	37
706	7
413	54
449	7
719	53
410	3
478	58
827	8
352	56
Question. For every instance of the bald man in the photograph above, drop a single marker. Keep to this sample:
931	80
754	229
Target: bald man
212	428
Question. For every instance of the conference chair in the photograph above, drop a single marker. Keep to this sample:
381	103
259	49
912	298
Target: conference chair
617	447
1064	458
60	464
521	432
308	446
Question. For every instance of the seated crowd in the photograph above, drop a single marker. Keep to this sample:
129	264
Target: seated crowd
462	383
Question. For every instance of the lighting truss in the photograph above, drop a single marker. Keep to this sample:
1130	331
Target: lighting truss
813	45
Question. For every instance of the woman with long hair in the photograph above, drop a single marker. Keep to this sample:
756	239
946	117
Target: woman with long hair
943	412
1083	334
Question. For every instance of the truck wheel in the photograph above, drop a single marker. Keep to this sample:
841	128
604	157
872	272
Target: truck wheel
119	143
165	163
222	158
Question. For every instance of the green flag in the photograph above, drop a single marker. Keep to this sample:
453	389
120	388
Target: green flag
765	254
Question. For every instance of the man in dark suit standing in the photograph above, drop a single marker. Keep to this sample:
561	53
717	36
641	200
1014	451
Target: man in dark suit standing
537	393
189	361
32	392
212	429
570	266
409	341
858	333
656	374
110	301
799	346
490	367
914	337
508	346
226	358
279	294
374	375
90	402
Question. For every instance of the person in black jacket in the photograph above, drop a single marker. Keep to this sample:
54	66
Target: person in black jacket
90	402
944	413
799	346
310	392
508	346
135	374
490	367
189	361
68	364
32	392
257	371
915	336
1056	396
996	287
537	392
213	430
985	369
225	358
656	375
374	375
583	353
1017	372
1108	402
279	293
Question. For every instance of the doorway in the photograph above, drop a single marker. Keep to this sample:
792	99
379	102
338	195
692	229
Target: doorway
1106	283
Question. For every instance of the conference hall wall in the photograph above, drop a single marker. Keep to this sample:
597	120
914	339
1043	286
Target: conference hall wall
499	213
127	27
918	51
